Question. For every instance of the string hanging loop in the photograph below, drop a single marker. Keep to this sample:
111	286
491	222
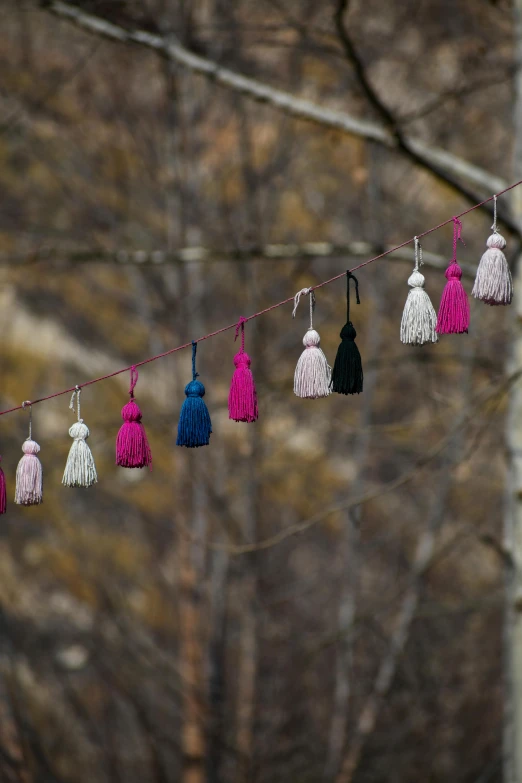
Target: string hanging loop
312	373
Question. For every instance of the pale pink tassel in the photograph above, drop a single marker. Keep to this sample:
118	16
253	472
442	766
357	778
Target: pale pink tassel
493	283
312	374
29	476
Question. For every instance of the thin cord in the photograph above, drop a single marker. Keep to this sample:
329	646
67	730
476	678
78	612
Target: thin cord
30	404
76	393
194	349
457	236
241	325
417	253
312	308
267	309
349	277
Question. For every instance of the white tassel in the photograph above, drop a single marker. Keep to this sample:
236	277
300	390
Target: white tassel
419	319
493	283
80	470
312	374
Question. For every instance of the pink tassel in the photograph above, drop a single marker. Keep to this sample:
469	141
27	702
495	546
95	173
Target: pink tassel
132	446
3	501
453	315
242	398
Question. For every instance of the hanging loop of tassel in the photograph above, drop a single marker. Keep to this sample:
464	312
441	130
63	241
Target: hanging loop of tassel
493	282
242	398
194	426
457	237
80	470
312	373
76	396
453	315
418	318
297	299
134	375
28	404
29	474
132	446
241	326
417	250
347	373
3	493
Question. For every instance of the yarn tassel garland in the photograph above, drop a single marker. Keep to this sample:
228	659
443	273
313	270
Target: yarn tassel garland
132	446
242	398
312	374
194	426
347	374
80	470
453	315
419	318
493	283
29	473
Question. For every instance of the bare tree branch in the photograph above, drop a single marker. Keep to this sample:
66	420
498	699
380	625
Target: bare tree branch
438	161
437	164
207	255
493	391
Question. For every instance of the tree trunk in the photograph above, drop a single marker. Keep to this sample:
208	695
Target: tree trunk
512	740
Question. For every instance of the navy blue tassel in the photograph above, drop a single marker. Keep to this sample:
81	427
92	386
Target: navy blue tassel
194	426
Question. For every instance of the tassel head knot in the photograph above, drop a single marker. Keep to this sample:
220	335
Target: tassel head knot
311	339
30	447
497	241
348	332
416	280
195	389
453	272
131	411
79	431
241	360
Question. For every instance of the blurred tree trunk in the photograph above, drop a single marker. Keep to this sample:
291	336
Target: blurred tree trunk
13	768
349	549
192	511
512	745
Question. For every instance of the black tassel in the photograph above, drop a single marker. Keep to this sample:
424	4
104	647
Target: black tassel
347	374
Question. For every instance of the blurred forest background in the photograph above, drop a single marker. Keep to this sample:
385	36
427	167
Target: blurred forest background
319	597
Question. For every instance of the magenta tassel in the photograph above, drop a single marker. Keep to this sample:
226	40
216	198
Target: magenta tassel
132	446
242	398
3	501
453	315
